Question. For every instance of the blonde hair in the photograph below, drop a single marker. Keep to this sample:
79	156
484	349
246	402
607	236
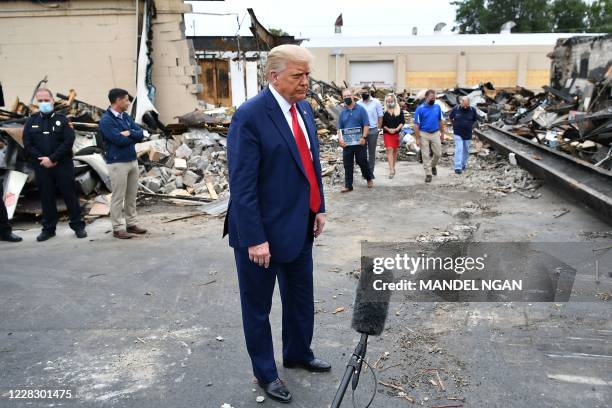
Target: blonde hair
396	109
279	56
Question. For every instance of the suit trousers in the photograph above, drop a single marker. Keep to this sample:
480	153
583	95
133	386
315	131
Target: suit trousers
256	285
371	141
124	182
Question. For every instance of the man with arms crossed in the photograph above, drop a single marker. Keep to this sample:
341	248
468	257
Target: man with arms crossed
121	133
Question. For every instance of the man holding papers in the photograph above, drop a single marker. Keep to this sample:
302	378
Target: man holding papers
353	125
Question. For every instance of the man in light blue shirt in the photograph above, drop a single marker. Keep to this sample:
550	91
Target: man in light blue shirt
375	115
428	132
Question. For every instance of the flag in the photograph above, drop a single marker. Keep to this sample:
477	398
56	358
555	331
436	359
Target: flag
339	21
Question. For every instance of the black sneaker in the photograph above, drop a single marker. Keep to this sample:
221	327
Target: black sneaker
457	171
428	179
10	237
45	235
434	171
81	233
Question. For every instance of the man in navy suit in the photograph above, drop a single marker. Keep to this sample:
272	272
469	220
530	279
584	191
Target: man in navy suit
276	210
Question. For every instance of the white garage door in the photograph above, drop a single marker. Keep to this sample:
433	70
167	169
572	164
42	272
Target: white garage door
379	73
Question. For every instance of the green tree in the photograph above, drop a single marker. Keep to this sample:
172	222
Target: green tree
599	17
470	15
569	15
532	16
277	32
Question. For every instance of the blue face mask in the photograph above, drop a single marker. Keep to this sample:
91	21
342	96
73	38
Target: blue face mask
45	107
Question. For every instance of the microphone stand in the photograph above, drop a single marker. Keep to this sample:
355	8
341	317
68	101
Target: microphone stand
352	368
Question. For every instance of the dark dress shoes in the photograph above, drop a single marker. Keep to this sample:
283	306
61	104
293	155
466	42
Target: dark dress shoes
45	235
315	366
277	390
81	233
134	229
434	171
121	234
11	238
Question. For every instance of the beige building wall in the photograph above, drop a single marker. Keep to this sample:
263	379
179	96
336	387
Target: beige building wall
441	67
91	46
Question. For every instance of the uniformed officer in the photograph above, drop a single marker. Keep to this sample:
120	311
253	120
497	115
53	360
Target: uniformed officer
48	138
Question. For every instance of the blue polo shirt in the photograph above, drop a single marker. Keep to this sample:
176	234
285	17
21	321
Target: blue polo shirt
463	121
351	118
428	117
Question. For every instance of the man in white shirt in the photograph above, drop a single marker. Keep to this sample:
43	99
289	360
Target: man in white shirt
375	115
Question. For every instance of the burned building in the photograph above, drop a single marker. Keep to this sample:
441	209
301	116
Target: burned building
232	67
92	46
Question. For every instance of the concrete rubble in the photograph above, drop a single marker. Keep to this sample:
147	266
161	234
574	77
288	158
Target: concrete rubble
181	160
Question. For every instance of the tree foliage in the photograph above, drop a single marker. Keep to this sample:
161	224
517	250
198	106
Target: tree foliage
533	16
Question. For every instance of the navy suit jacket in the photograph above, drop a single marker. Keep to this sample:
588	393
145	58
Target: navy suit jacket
269	191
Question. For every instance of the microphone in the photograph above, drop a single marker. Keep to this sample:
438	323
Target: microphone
371	306
369	316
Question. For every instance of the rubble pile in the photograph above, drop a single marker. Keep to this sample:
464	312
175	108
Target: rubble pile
501	177
193	163
186	160
573	114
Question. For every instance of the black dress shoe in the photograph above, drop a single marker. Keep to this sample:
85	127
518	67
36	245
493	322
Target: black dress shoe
428	178
315	366
81	233
11	238
434	171
45	235
277	390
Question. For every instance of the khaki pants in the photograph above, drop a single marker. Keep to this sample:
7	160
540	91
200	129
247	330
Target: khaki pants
124	182
430	142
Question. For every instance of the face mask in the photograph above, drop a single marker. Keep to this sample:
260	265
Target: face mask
391	104
431	102
365	96
45	107
348	101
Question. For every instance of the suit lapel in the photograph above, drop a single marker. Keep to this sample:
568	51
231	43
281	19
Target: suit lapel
307	122
283	128
312	134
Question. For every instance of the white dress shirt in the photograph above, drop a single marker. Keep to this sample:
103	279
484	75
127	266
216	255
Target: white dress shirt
285	108
117	114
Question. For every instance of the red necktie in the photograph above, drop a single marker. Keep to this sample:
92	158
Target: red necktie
300	138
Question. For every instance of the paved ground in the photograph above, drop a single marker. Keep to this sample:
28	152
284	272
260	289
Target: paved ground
136	323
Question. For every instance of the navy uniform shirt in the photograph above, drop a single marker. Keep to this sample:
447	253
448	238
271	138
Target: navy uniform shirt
48	135
352	118
463	121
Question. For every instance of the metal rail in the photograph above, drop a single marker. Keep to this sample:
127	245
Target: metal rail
583	182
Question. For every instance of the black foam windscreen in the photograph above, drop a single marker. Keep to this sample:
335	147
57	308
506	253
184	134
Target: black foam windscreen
371	306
